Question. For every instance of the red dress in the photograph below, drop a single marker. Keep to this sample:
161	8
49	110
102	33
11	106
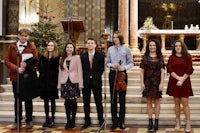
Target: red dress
181	66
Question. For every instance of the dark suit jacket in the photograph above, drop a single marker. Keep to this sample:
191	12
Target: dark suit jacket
96	71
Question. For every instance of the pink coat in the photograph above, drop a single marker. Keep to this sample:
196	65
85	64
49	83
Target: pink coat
74	72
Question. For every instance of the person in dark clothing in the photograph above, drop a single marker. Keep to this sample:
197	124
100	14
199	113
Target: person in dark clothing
93	68
48	80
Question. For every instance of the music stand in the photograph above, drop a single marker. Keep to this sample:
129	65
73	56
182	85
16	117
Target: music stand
73	27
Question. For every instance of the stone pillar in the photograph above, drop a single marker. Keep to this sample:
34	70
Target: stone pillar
163	37
13	17
123	19
1	17
134	25
27	10
198	42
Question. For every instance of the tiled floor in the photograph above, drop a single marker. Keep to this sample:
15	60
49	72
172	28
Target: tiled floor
5	128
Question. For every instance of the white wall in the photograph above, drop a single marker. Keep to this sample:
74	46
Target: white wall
1	16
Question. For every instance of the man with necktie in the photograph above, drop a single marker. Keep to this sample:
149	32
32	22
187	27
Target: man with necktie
93	68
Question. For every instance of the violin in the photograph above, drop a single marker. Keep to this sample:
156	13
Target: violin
120	81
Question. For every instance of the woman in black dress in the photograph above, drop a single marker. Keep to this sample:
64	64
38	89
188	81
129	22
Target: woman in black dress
152	79
48	79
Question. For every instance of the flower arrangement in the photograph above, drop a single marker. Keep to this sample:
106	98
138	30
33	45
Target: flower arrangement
148	24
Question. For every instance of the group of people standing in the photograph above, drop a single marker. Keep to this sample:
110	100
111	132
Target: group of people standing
70	74
179	67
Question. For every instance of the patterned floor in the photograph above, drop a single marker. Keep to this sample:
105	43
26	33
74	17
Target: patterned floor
5	128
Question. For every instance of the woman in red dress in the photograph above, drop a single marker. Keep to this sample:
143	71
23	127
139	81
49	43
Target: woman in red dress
179	86
152	79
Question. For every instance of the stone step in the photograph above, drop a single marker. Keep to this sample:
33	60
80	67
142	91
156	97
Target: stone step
131	90
130	108
130	119
195	54
133	84
134	74
130	98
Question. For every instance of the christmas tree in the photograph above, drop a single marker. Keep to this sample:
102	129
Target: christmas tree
46	31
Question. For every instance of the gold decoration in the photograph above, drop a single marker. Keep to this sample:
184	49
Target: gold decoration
148	24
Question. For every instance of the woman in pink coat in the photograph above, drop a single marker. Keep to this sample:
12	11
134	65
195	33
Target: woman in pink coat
70	81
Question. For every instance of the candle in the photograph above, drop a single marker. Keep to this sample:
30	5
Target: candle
172	25
186	27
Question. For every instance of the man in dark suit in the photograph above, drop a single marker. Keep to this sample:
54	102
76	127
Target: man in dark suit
93	68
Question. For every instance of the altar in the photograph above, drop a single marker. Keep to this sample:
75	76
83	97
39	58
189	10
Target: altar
181	33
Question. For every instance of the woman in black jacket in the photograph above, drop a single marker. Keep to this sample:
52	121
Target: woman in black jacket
48	79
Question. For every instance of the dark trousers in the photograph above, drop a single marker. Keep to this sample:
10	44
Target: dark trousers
28	106
98	101
122	100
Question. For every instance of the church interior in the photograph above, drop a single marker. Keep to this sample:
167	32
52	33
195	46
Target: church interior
78	20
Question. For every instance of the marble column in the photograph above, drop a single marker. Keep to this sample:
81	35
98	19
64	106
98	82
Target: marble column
123	19
198	42
163	37
134	25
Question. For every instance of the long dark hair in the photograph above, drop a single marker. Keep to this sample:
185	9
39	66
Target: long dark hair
184	49
120	36
158	49
64	54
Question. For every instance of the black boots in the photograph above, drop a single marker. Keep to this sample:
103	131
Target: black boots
71	108
51	122
46	124
150	126
156	125
68	114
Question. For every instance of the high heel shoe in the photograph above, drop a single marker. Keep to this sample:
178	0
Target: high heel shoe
178	124
188	126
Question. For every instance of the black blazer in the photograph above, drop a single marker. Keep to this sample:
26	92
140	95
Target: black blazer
96	71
